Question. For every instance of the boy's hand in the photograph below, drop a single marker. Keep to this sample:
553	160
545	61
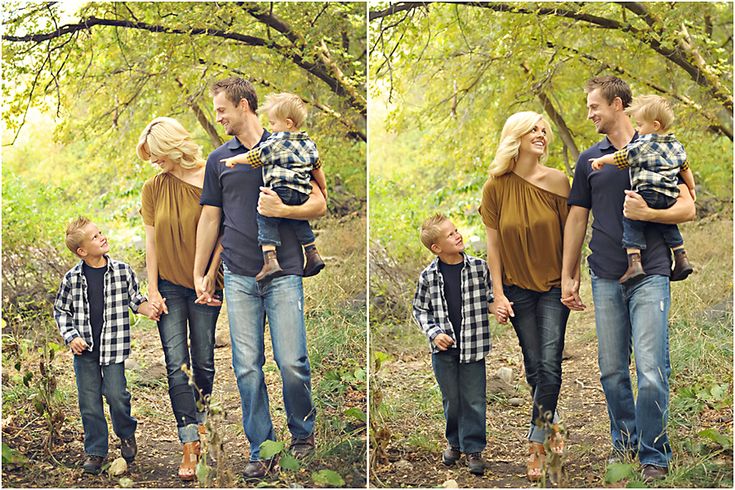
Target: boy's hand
503	309
596	163
151	311
232	161
443	341
78	345
158	302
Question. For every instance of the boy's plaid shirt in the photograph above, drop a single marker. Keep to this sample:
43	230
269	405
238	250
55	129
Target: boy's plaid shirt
71	309
287	160
655	162
431	313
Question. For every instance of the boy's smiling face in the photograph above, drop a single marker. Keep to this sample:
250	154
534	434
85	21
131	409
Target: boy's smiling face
94	244
449	240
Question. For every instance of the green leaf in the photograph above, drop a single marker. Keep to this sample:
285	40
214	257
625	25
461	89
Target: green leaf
202	471
289	463
379	358
11	456
356	413
360	374
125	482
27	378
635	483
618	471
715	436
263	484
268	449
327	478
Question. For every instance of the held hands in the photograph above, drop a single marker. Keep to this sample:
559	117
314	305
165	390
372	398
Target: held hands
204	286
158	302
503	309
152	311
443	341
78	345
570	294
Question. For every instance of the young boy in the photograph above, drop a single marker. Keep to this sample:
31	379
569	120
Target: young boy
451	308
91	310
289	160
654	159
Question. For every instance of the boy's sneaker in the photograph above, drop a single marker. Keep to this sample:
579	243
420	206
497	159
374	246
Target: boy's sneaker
450	455
314	262
476	463
93	464
682	267
128	448
270	266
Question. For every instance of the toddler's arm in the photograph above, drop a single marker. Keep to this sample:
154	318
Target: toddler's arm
688	176
252	158
597	163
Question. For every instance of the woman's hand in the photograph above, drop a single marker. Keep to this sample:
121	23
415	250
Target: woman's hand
205	291
503	309
157	301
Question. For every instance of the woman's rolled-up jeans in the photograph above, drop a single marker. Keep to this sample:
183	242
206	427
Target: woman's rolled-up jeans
187	321
540	322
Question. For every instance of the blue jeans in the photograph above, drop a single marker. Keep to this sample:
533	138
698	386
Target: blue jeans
635	317
93	381
540	323
281	301
634	231
200	322
268	233
463	397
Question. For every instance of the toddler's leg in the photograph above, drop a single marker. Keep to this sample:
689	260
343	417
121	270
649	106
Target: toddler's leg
634	240
673	238
269	238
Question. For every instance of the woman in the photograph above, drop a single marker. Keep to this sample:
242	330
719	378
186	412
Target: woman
524	208
171	213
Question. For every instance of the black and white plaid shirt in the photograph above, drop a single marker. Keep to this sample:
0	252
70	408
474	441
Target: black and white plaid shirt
71	309
432	315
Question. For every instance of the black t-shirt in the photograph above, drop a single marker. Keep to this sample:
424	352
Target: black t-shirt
452	276
95	277
236	191
603	192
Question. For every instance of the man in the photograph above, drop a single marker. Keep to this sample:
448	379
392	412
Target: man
230	197
635	315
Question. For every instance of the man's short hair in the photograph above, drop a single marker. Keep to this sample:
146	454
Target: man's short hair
610	87
652	108
75	234
236	89
430	229
286	106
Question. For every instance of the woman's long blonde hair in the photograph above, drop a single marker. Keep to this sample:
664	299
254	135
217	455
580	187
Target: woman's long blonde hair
516	126
166	137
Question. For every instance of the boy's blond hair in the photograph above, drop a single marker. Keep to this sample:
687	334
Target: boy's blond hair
430	229
75	234
652	108
285	106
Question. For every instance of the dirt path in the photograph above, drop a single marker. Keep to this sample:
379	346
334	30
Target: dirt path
582	406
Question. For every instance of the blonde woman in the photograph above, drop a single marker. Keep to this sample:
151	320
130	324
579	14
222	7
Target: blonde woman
524	208
171	213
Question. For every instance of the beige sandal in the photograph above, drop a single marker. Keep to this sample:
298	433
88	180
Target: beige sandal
556	440
188	466
536	461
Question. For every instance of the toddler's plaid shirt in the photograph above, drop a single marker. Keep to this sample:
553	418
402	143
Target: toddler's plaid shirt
287	160
71	309
655	162
431	313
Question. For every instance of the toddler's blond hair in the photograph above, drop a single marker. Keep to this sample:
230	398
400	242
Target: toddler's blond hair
651	108
285	106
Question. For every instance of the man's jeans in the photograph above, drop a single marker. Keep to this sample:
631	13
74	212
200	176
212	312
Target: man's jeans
634	232
281	301
635	316
93	381
173	330
463	397
540	323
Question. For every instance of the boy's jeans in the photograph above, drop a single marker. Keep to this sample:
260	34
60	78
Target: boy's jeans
173	330
268	233
463	395
540	323
248	305
93	381
635	316
634	231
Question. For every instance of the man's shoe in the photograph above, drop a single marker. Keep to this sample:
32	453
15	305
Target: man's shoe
450	455
476	463
93	464
128	448
682	267
270	266
314	262
652	472
635	270
256	470
301	448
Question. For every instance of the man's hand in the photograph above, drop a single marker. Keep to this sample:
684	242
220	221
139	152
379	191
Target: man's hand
503	309
635	207
443	341
270	203
204	287
78	345
570	294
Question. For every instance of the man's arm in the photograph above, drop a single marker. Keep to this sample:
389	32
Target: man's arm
207	234
574	231
270	204
688	178
683	209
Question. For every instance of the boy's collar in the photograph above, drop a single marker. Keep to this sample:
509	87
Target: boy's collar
80	264
465	260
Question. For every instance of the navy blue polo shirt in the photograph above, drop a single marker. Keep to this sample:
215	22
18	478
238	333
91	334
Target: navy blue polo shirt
602	192
236	191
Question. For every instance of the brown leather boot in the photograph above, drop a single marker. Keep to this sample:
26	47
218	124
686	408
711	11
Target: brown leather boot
314	262
682	267
635	269
270	266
